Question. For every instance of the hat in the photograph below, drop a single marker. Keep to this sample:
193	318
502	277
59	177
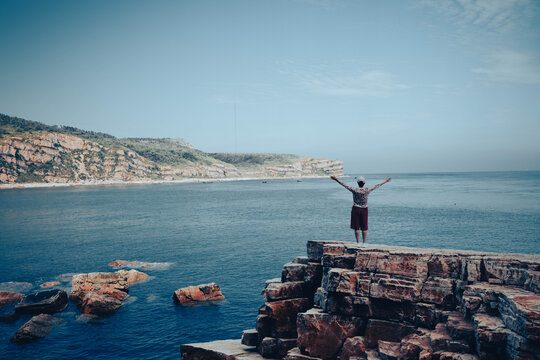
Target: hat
360	179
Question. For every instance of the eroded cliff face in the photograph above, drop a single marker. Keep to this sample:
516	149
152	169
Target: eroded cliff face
63	158
381	302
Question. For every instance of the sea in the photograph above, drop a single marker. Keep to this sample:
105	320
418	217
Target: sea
237	234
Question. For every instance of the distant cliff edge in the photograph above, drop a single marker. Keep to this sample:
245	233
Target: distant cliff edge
32	152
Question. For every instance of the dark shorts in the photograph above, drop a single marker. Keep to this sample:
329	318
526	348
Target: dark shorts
359	218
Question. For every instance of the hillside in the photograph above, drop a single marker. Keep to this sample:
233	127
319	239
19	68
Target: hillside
34	152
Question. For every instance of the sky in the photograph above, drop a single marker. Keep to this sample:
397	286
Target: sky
385	86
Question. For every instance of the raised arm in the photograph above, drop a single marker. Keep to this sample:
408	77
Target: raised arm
341	183
382	183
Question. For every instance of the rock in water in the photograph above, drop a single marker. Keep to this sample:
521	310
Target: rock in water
8	297
9	318
99	293
44	302
193	294
135	264
50	283
133	276
36	328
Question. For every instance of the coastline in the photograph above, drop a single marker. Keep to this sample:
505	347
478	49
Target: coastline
150	182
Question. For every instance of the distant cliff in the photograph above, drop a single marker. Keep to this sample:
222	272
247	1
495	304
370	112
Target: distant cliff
34	152
345	302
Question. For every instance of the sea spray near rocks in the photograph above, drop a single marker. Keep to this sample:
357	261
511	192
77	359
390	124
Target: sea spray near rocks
135	264
397	302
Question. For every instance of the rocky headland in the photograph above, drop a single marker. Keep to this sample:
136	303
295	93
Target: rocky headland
345	302
32	152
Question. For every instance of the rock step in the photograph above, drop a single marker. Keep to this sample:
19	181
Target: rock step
219	350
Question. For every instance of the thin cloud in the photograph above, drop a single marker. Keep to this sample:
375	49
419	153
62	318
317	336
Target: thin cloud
498	15
506	66
353	83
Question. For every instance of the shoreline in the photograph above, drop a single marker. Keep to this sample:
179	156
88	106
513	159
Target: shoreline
151	182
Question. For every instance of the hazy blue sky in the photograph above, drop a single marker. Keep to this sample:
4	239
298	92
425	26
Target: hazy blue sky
386	86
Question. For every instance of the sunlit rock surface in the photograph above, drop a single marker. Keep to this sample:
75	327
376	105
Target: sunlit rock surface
388	302
99	293
198	293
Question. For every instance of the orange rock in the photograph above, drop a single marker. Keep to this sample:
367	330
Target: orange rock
50	283
117	263
133	276
204	292
99	293
8	297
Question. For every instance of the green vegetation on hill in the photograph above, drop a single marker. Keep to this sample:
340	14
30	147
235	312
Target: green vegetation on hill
254	160
174	152
14	126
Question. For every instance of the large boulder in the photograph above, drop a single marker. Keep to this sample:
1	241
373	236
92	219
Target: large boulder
282	315
8	297
322	335
198	293
43	302
36	328
281	291
99	293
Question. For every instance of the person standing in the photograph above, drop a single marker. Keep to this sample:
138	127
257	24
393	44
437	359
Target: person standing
359	211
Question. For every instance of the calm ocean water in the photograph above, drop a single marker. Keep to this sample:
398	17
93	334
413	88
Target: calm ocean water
237	234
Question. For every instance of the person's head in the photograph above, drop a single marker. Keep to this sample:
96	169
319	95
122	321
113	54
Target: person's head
361	181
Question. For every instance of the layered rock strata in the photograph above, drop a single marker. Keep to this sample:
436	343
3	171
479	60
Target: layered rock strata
52	157
383	302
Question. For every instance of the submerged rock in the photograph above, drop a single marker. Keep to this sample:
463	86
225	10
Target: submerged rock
99	293
198	293
8	297
9	318
15	286
50	283
44	302
135	264
36	328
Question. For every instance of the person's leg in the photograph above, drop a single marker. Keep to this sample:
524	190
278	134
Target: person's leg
364	224
355	223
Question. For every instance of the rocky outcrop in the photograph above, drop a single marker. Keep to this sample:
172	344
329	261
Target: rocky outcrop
8	297
44	302
198	293
219	350
99	293
36	328
50	284
384	302
63	158
302	167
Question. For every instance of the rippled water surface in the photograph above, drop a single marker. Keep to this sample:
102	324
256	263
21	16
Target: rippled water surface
237	234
